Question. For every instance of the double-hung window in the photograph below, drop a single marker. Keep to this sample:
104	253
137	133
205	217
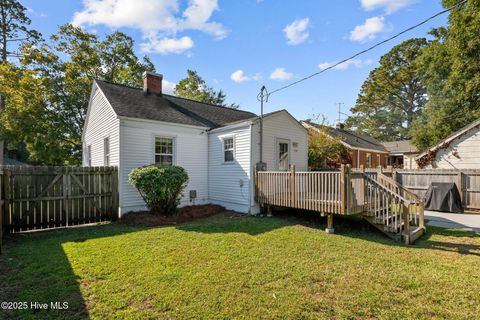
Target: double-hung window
228	149
379	163
164	150
106	151
369	160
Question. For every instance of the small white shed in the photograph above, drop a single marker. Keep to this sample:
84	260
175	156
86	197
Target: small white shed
460	150
219	147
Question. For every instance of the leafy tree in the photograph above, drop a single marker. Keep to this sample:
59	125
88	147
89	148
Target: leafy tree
324	149
452	76
67	68
195	88
14	28
13	31
392	96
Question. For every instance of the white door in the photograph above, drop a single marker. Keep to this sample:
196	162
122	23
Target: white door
283	154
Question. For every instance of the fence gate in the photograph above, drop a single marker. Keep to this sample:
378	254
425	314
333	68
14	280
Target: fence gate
51	197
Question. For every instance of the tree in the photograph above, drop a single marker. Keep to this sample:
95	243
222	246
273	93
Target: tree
67	68
452	76
195	88
13	28
13	31
324	149
392	96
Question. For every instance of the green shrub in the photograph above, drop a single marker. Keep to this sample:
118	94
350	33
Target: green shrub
160	186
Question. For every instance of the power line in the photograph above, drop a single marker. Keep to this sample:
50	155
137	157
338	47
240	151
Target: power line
370	48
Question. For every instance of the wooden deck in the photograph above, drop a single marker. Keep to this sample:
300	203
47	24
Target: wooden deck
381	200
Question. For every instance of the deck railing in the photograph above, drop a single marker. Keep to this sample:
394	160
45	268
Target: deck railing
323	191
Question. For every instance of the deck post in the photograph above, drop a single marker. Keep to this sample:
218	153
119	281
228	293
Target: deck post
342	189
293	191
362	188
406	224
421	215
330	229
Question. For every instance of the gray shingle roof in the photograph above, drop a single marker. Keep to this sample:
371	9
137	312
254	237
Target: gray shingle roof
401	146
356	140
351	139
134	103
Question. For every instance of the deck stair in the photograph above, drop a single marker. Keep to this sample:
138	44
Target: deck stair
392	209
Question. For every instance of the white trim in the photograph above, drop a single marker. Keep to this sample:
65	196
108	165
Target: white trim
232	126
162	122
223	138
107	137
174	146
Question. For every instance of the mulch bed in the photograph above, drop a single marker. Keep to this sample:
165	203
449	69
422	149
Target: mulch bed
183	215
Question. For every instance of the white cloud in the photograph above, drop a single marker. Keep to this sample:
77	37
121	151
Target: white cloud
158	20
239	76
388	5
280	74
168	87
368	30
167	45
296	32
357	63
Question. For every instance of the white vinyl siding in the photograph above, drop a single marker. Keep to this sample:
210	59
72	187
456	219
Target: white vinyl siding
277	127
229	182
138	149
101	122
462	153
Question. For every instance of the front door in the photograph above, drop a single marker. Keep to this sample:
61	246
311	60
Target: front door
283	154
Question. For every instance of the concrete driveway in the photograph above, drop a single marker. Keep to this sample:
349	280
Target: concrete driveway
453	220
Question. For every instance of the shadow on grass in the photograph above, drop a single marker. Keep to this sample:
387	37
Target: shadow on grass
35	269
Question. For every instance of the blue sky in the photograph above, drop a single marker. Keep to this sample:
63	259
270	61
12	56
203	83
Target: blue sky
238	46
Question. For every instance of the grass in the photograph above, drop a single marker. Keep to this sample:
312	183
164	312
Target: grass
243	268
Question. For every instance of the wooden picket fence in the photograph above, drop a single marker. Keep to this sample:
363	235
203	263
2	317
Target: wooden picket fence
36	198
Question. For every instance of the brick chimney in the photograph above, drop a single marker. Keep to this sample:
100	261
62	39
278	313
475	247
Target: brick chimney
152	83
340	125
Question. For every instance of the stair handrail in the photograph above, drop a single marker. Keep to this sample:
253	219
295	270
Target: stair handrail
393	193
400	186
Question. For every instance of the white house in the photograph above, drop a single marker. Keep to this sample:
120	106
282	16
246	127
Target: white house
219	147
460	150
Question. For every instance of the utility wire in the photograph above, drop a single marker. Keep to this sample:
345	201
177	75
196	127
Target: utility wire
369	49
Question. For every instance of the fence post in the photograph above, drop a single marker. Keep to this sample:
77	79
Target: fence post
362	187
460	185
342	189
293	191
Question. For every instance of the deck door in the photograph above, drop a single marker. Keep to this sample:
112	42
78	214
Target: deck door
283	154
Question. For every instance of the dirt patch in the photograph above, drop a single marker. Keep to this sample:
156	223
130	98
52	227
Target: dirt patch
183	215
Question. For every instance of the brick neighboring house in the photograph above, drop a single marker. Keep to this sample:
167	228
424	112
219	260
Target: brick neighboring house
362	150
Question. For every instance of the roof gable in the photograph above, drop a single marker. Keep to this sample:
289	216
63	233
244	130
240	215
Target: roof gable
134	103
446	142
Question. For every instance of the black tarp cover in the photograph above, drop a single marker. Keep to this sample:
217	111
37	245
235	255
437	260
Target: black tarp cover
443	196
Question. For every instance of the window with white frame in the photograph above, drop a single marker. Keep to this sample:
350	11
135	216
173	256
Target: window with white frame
164	150
386	160
379	162
369	160
106	151
228	149
89	155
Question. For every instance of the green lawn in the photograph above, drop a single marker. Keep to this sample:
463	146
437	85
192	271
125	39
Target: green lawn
243	268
